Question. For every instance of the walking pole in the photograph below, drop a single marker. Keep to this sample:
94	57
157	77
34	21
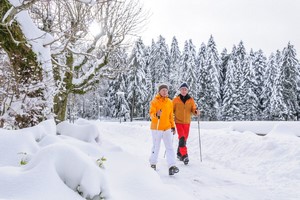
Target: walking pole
199	137
154	142
157	122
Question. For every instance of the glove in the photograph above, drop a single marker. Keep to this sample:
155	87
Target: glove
173	130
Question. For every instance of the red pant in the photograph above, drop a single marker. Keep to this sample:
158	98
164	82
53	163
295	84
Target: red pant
183	134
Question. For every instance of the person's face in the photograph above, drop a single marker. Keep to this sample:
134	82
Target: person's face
183	91
163	92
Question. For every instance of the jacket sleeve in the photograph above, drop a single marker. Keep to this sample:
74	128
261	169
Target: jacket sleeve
174	105
172	116
194	107
152	111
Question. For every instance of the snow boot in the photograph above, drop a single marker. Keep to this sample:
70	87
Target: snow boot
173	170
153	167
185	159
179	157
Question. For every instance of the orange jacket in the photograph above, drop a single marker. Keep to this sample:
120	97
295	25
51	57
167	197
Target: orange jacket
166	118
183	111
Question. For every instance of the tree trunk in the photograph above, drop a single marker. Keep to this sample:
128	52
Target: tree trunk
60	106
132	106
61	99
27	73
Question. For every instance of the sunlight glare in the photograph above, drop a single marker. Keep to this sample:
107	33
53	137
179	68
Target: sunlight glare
94	28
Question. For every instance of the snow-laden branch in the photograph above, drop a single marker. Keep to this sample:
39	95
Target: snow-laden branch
81	53
91	72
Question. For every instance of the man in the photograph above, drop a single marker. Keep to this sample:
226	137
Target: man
183	106
162	128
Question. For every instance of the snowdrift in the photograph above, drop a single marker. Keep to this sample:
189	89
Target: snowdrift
82	130
257	127
35	163
65	162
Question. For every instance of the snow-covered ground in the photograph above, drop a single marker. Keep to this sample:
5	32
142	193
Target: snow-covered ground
237	163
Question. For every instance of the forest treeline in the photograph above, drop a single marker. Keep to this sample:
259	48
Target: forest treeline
235	85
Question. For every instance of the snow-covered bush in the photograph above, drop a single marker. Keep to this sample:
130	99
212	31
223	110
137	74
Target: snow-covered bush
83	131
74	168
68	166
14	146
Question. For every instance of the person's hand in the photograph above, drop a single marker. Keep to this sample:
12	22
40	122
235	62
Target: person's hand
158	113
197	112
173	130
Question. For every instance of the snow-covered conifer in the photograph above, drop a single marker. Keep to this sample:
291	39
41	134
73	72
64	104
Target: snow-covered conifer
270	76
175	67
137	91
212	65
259	66
288	75
231	104
189	67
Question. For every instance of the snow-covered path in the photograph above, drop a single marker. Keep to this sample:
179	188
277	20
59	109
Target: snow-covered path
235	165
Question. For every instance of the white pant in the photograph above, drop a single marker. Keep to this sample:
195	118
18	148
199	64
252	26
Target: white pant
167	137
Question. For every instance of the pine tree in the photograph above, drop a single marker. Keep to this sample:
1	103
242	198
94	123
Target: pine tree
202	80
136	80
151	65
249	101
175	67
240	65
162	61
148	83
278	108
270	78
223	68
231	109
117	106
213	85
298	91
259	64
289	74
189	66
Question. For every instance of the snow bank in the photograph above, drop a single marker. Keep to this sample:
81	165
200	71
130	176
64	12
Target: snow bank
19	145
15	147
74	168
83	131
41	182
56	166
38	131
49	125
94	151
285	129
258	127
268	157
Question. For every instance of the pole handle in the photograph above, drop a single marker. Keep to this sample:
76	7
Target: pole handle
158	116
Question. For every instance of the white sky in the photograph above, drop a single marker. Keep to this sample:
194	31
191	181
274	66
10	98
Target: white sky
261	24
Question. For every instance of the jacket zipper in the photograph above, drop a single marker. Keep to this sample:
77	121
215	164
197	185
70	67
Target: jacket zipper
184	113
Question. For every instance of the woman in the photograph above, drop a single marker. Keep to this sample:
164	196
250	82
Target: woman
162	128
